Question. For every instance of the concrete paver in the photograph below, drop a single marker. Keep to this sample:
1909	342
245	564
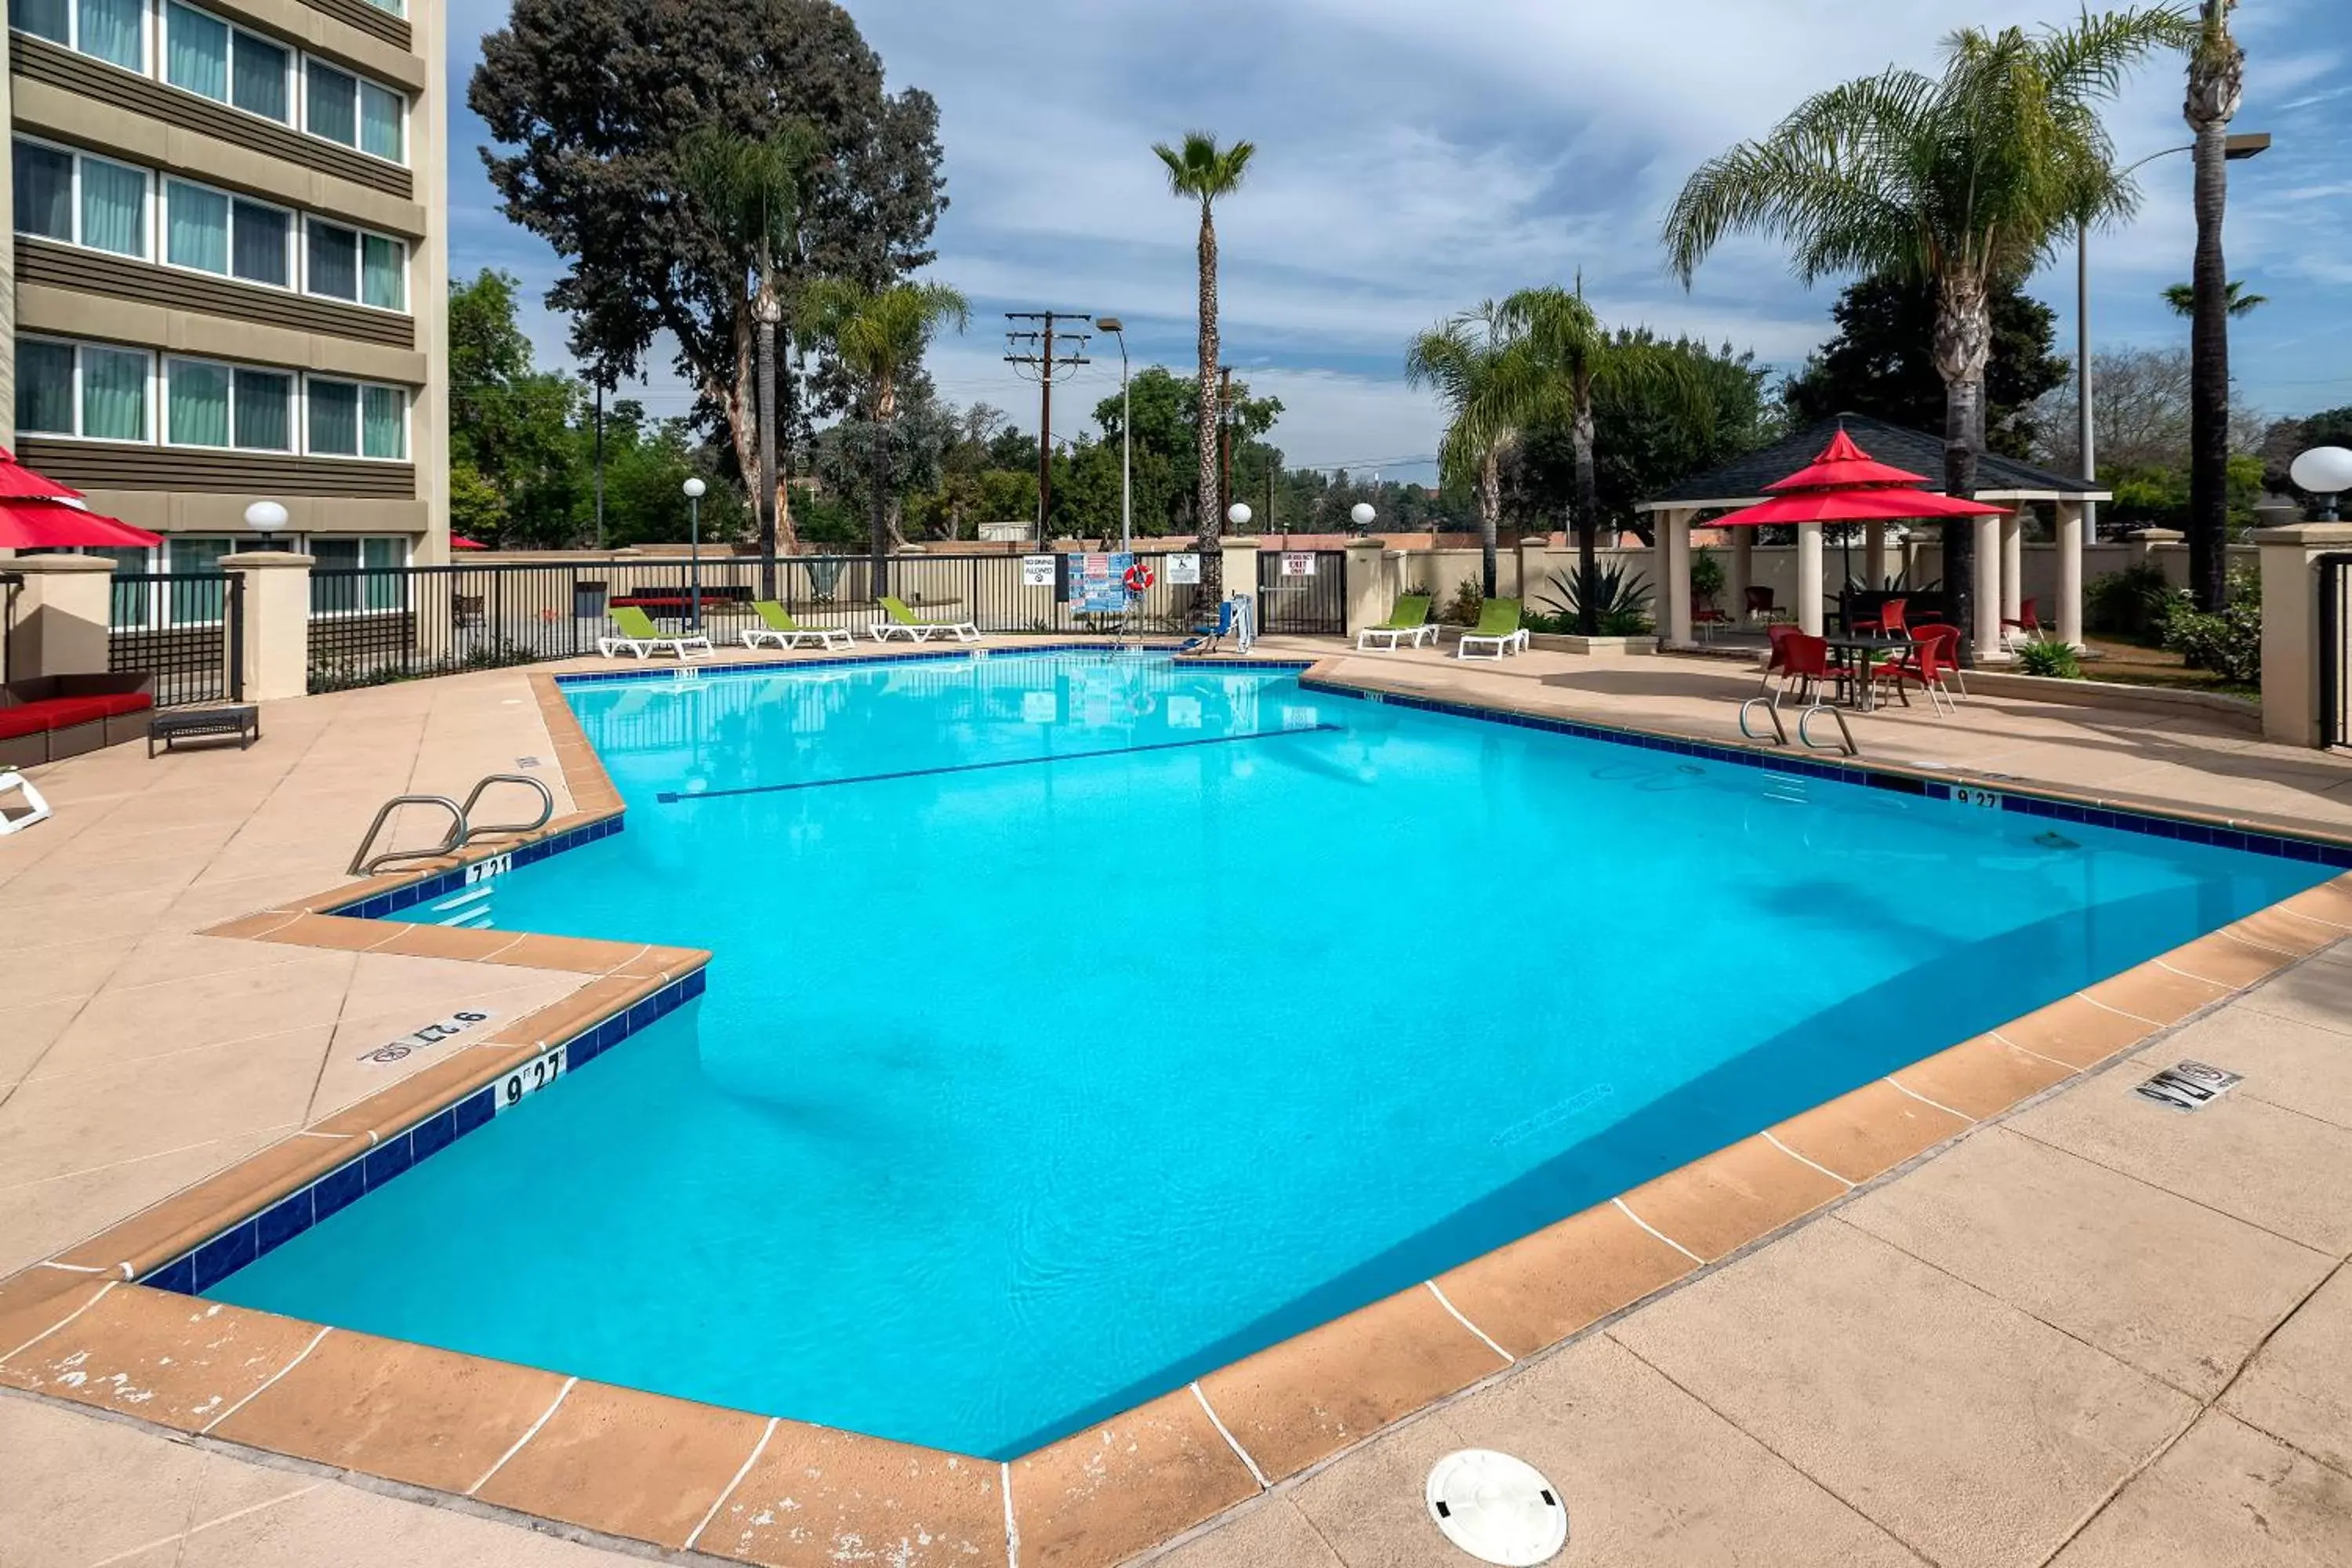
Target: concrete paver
2296	1389
2225	1496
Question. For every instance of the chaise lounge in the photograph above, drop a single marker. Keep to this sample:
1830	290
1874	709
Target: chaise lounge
641	638
903	622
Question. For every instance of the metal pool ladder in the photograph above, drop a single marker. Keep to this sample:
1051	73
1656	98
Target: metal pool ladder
462	829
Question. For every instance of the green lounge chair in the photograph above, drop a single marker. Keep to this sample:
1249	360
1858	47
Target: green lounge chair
778	626
1409	620
904	624
1498	628
640	637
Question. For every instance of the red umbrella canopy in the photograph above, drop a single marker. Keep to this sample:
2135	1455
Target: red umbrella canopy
1867	504
459	542
54	525
18	482
1843	463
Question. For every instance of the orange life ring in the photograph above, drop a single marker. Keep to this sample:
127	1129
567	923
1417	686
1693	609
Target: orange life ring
1138	578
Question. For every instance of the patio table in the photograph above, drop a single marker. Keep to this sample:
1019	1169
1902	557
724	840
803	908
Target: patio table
1855	657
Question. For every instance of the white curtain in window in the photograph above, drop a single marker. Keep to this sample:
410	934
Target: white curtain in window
197	226
113	208
380	122
383	425
42	18
198	399
110	30
44	388
382	281
265	410
335	419
113	394
257	83
330	109
195	52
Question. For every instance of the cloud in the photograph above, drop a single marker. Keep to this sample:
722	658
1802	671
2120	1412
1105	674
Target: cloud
1417	157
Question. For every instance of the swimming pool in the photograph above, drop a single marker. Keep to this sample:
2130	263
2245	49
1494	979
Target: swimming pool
1079	1022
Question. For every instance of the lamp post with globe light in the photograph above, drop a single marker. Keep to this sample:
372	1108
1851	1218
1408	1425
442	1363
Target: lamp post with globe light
1362	515
2323	473
694	489
265	517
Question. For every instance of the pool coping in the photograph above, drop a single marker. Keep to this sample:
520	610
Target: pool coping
642	1468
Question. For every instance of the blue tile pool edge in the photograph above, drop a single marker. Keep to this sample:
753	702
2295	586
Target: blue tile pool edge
2020	799
255	1235
433	885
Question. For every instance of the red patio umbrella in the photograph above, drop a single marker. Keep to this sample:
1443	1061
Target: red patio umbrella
55	525
1843	463
459	542
18	482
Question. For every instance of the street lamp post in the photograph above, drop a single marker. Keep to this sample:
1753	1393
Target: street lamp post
2323	473
1118	329
694	489
2236	148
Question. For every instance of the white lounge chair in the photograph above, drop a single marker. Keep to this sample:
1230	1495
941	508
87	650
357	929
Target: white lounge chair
642	640
1498	629
1408	622
779	628
904	623
13	781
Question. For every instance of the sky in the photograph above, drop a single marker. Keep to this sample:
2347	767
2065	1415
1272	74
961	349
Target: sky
1417	156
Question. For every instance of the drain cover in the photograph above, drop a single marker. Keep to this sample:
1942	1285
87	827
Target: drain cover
2190	1086
1497	1508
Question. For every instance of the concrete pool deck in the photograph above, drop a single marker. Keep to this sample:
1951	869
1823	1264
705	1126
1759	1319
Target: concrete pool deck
2005	1358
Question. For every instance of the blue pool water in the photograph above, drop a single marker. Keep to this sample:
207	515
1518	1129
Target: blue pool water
1024	1091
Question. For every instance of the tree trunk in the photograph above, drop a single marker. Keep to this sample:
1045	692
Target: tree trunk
1211	536
1963	347
767	483
1490	511
1588	516
2216	79
880	529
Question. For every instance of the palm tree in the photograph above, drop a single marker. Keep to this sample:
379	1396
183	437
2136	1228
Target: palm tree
753	187
1199	170
2237	303
1462	358
1561	359
1963	181
2217	74
878	337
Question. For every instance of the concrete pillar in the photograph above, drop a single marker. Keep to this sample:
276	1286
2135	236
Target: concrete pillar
277	633
2013	566
61	616
1674	574
2293	647
1986	631
1534	567
1873	555
1743	570
1809	578
2073	516
1241	573
2147	541
1372	584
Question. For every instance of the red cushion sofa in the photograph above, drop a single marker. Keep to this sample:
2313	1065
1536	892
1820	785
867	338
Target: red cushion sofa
53	717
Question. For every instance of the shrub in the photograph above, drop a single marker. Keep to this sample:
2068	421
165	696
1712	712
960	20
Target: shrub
2228	641
2133	603
1467	601
1621	606
1706	579
2053	659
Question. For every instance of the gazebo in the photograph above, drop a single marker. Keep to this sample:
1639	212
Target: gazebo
1999	571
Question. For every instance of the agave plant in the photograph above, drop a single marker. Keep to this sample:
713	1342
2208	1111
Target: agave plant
1619	602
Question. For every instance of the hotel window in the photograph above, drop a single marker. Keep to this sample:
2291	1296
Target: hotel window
343	108
81	389
206	56
331	595
81	199
219	406
114	31
394	7
347	419
215	232
345	264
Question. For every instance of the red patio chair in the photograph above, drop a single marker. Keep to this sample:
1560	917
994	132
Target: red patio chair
1775	661
1929	663
1949	656
1889	621
1805	661
2026	627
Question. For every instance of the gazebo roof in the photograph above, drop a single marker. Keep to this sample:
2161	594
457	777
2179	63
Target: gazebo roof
1743	480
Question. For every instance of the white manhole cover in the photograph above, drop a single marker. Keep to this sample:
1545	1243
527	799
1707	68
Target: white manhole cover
1497	1508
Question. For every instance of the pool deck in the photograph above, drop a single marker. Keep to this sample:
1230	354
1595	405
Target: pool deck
1995	1309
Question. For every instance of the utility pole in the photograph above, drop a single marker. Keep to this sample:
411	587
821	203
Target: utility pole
600	456
1046	356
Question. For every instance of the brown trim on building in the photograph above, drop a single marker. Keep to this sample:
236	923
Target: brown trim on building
95	272
129	466
38	60
367	18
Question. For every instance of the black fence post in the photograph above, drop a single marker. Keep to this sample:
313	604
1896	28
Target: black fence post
235	610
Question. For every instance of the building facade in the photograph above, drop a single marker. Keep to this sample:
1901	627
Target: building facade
230	275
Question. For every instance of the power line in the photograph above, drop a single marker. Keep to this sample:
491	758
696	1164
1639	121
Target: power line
1033	354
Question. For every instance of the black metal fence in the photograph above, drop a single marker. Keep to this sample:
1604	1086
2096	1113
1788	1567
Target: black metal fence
1303	592
184	629
11	584
2335	650
370	626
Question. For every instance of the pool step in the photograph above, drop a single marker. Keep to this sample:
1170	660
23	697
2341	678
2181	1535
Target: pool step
470	908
